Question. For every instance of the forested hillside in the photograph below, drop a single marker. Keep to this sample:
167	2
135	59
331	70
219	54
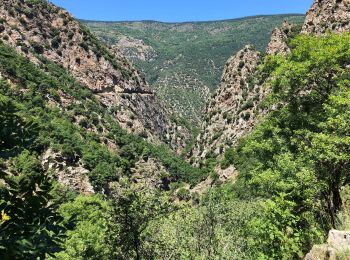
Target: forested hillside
183	62
77	183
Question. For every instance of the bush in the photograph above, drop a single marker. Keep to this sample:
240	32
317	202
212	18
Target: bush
228	158
56	41
38	48
183	194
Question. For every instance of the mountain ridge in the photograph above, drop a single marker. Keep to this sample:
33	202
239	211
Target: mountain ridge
183	62
185	22
78	181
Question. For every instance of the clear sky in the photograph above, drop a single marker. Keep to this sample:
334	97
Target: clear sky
178	10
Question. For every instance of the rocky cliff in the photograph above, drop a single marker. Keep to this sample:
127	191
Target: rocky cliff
278	43
233	110
337	247
236	107
327	15
41	31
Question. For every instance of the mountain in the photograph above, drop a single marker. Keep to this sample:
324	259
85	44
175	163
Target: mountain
237	105
183	62
110	77
327	15
94	118
268	176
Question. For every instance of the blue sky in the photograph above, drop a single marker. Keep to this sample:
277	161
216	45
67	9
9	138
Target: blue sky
178	10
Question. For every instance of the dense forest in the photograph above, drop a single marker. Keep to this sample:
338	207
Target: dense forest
291	188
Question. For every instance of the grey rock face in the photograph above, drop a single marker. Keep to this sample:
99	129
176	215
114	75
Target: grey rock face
278	42
54	34
338	244
327	15
231	113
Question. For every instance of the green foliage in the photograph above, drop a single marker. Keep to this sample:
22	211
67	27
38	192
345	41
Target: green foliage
132	212
297	158
29	122
37	47
34	227
16	129
247	105
184	194
228	158
88	239
215	229
42	3
57	129
188	56
56	41
292	167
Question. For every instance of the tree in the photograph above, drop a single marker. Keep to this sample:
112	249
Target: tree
132	211
16	130
33	227
297	159
88	238
330	148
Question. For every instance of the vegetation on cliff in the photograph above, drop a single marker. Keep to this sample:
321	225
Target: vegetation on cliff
183	62
293	167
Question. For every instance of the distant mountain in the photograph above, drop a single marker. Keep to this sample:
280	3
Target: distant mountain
183	62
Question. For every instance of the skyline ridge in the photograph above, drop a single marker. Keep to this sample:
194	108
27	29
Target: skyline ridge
179	11
204	21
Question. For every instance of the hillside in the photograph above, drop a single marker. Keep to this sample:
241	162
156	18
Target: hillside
237	105
269	177
76	117
183	62
106	73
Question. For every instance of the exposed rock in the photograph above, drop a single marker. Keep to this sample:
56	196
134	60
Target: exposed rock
71	174
135	49
327	15
150	173
338	244
279	37
233	112
41	29
225	176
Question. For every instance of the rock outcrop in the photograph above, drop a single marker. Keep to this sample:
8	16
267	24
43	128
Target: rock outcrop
327	15
232	112
70	174
150	173
38	30
278	43
135	49
337	247
235	109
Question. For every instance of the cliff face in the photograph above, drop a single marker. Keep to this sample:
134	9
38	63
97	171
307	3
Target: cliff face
40	30
232	112
327	15
235	109
278	43
337	247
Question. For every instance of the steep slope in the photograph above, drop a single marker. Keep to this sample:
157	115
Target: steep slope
278	43
232	111
42	31
184	61
81	97
327	15
236	106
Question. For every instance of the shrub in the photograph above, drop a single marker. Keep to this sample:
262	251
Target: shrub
55	42
38	48
241	64
183	194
